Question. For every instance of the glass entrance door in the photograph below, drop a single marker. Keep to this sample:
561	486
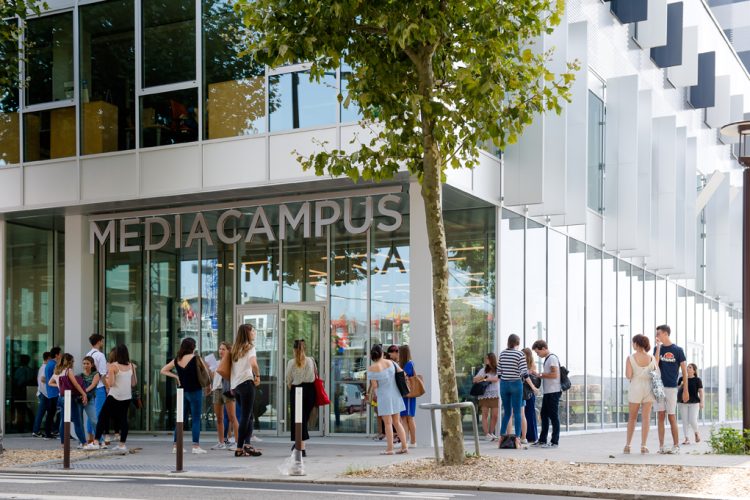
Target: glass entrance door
277	328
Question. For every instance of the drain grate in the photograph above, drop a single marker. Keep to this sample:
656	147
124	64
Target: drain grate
144	468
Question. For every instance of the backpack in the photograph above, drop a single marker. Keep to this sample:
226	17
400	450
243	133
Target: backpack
564	380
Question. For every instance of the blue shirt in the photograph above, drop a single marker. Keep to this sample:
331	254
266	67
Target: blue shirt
409	368
670	359
49	370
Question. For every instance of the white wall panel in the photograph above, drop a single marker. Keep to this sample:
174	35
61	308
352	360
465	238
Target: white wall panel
621	149
284	164
11	187
678	267
109	177
357	134
733	283
718	116
663	199
50	183
555	132
485	178
523	167
653	31
686	74
717	240
691	220
645	169
234	163
171	170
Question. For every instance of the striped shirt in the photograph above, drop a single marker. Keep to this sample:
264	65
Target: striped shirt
511	365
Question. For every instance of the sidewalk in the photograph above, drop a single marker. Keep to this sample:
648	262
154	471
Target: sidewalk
330	458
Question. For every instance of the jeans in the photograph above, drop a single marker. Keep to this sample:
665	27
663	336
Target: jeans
511	394
51	411
245	393
530	413
75	419
91	413
549	413
101	396
117	410
41	410
194	402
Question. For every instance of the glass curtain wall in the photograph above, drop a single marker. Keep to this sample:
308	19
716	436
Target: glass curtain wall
512	227
619	338
557	314
536	283
610	375
9	108
593	347
577	334
35	282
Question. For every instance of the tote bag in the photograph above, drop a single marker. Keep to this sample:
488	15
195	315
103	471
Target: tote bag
321	397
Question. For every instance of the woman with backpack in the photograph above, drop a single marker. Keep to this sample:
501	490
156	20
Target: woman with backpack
187	366
65	380
489	401
382	375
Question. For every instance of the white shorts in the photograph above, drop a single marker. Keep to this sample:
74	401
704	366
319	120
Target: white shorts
670	401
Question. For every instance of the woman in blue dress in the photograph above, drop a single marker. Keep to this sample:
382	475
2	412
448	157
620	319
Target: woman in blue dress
407	416
382	377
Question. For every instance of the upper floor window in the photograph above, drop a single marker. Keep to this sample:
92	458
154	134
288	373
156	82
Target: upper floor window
596	131
168	42
296	102
49	59
9	124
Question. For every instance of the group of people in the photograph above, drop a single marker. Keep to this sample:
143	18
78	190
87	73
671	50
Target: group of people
680	382
101	394
511	378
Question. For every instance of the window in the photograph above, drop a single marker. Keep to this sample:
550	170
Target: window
577	344
168	42
511	270
595	167
536	283
107	55
9	117
593	345
296	102
234	86
350	112
169	118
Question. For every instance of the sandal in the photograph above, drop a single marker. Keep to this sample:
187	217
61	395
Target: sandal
626	450
697	438
402	451
644	450
386	452
241	453
686	441
250	451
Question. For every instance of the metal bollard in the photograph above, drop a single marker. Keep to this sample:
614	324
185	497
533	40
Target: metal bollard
451	406
179	429
298	469
66	430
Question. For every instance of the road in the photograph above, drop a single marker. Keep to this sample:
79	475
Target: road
97	487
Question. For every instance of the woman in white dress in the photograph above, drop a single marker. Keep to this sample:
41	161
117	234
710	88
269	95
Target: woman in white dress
638	368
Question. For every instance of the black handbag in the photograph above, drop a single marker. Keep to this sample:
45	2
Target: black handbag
478	388
527	391
403	386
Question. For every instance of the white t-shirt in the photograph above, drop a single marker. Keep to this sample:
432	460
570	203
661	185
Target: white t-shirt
101	365
551	385
242	370
41	387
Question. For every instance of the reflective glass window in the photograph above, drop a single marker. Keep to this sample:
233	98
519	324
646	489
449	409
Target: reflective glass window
107	47
676	336
10	126
557	253
259	263
234	85
296	102
49	134
649	305
304	273
350	111
511	269
593	345
169	118
619	338
661	304
49	59
577	344
168	42
595	178
636	298
536	283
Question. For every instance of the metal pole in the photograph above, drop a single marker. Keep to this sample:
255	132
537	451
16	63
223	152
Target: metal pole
66	431
298	469
435	443
475	429
179	430
745	299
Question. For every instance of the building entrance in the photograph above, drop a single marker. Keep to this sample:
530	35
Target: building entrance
277	327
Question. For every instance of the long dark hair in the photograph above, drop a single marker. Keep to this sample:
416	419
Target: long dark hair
122	355
491	367
376	352
186	347
404	355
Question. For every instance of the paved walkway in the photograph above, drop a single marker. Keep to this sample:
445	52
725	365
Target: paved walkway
332	456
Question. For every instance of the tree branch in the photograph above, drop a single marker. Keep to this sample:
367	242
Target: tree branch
370	30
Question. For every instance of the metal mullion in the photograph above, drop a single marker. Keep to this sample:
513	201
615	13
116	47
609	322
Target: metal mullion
170	87
147	330
292	68
76	97
47	106
199	65
567	321
21	100
368	419
585	335
138	46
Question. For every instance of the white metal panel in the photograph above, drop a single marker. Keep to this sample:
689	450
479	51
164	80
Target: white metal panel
645	182
10	187
284	164
691	194
577	137
109	177
621	180
50	183
460	178
653	31
717	240
678	267
686	74
663	199
486	178
718	116
555	131
235	162
170	170
523	167
733	282
353	136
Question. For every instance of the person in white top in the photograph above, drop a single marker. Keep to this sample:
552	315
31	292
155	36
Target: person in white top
244	379
300	372
638	368
41	395
100	361
223	400
121	379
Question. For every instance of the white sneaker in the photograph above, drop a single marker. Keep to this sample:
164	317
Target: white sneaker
232	441
675	450
91	446
219	446
80	446
198	451
255	438
174	450
121	447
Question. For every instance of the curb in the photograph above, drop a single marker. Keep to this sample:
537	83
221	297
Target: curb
484	486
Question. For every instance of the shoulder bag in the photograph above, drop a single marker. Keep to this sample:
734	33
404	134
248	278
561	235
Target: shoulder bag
321	397
657	386
478	388
225	367
508	441
416	386
565	383
204	378
403	387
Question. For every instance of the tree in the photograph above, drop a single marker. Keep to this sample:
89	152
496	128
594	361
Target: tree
434	79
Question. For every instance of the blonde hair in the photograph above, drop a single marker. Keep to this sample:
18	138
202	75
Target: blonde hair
244	342
65	362
529	358
299	353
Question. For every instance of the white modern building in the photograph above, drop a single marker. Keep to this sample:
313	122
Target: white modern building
149	192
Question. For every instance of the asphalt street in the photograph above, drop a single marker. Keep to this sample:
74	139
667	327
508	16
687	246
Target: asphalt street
94	487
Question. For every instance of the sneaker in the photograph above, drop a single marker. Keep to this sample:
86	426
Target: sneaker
219	446
198	451
549	445
37	435
255	438
174	450
104	446
91	446
80	446
662	451
524	441
121	447
538	444
675	450
489	437
231	441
